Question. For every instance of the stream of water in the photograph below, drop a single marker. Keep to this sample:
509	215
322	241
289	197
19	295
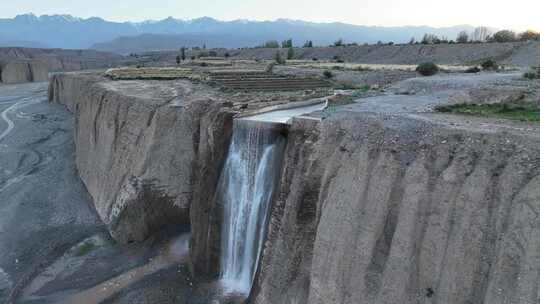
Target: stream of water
247	183
246	186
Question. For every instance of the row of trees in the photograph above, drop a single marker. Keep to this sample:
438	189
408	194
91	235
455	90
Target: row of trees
479	34
273	44
482	34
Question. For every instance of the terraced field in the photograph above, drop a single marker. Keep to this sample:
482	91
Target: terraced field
264	81
153	74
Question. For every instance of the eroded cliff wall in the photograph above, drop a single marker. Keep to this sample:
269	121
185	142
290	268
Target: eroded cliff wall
389	209
145	151
19	71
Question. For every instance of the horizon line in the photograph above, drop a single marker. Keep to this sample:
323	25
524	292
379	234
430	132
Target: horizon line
241	19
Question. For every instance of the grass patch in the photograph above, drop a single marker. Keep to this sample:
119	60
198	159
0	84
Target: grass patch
84	249
506	111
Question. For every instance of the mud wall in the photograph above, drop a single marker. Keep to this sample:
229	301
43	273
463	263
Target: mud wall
380	209
145	161
19	71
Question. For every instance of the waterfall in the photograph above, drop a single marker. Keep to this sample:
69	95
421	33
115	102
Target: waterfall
245	190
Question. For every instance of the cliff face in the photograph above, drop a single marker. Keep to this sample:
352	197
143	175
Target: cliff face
63	60
145	151
18	71
18	65
381	209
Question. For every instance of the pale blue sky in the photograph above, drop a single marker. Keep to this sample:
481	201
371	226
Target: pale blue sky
516	14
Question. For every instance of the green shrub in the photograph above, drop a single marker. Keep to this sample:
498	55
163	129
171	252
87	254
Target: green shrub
505	36
328	74
272	44
290	53
534	73
474	69
530	75
362	69
427	69
279	59
490	65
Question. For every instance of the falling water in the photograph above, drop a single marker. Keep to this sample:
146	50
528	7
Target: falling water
246	186
245	189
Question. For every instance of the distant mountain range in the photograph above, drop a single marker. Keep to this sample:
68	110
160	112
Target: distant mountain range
65	31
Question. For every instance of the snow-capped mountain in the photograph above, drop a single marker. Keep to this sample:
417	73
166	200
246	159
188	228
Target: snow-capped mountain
65	31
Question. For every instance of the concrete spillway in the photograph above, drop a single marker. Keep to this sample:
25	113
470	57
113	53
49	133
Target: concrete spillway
245	190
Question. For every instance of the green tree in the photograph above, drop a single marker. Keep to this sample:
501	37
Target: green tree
279	59
178	59
290	53
430	39
183	53
286	43
339	42
272	44
505	36
462	37
308	44
529	35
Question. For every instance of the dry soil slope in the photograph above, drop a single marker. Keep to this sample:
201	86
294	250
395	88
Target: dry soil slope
146	151
522	54
390	209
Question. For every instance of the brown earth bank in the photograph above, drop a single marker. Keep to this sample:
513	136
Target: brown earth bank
18	65
523	54
146	151
400	207
396	209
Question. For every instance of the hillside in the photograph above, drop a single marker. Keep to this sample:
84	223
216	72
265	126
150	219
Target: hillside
523	54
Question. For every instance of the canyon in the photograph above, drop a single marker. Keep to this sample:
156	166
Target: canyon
378	201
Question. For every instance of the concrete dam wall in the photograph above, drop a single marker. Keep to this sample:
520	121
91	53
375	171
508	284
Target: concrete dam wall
370	208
